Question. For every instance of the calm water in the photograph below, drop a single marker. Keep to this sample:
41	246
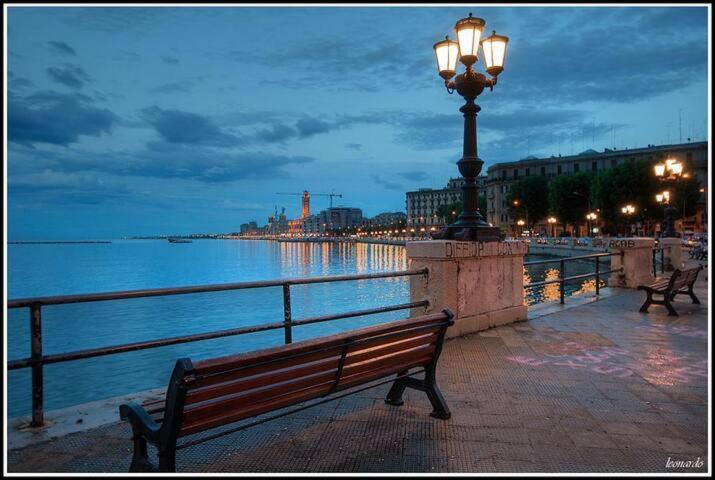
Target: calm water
39	270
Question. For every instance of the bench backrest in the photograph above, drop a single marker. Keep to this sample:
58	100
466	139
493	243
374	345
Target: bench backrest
215	392
683	278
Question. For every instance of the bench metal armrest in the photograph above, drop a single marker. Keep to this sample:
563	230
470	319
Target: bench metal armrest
141	421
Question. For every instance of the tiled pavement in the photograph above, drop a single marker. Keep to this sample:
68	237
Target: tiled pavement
596	388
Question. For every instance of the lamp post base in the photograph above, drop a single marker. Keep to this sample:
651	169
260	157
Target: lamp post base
469	233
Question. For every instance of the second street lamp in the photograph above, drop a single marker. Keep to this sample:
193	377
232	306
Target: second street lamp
470	224
671	170
627	210
591	216
552	221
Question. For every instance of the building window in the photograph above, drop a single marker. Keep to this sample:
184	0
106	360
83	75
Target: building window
503	174
576	167
516	173
527	171
543	170
689	156
558	169
614	162
594	166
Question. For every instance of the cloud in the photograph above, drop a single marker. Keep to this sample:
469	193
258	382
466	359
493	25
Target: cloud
342	66
387	184
53	187
55	118
169	60
70	75
61	47
172	87
414	175
18	83
173	161
277	133
179	127
309	126
354	146
618	59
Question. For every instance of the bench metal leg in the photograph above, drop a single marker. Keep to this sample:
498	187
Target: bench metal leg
671	310
439	405
648	301
692	295
167	461
394	396
140	459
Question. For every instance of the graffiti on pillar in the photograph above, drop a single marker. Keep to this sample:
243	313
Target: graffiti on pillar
621	243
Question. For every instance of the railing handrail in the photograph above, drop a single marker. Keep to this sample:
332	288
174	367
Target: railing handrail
218	287
37	360
569	259
562	267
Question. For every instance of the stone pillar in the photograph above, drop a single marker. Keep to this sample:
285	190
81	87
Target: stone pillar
481	282
636	260
672	253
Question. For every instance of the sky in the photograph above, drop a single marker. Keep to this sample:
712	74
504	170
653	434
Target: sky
174	120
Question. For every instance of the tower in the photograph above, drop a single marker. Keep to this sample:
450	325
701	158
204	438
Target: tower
305	203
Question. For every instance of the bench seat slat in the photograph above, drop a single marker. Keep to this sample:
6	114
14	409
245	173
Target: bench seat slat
198	412
244	359
272	377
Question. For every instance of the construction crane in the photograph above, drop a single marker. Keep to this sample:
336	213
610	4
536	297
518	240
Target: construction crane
303	194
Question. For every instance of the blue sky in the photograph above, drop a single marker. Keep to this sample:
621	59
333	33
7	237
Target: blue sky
140	121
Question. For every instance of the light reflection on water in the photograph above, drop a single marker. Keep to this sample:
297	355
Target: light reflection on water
39	270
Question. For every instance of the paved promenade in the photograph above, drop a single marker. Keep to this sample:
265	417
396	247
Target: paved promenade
595	388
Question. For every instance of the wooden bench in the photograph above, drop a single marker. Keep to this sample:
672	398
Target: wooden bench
213	393
680	282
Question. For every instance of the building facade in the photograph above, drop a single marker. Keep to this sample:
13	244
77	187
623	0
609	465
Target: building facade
423	205
501	176
387	218
332	219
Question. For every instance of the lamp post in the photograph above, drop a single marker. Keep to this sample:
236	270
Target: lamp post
627	210
670	170
521	224
591	217
552	221
667	230
470	224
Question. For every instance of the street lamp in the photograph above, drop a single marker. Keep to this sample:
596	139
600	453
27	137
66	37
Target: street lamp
521	224
470	224
591	216
552	221
670	170
628	210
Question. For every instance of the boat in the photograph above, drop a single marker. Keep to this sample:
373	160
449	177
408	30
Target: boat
178	240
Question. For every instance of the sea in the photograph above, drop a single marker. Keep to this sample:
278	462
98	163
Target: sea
76	268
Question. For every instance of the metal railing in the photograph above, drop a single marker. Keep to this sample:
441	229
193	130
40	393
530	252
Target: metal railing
37	360
562	266
657	250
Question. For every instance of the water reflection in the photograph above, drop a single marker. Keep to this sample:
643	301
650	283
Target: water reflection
550	271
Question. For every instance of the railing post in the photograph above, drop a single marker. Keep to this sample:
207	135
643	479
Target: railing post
37	368
598	278
561	282
287	314
654	272
662	260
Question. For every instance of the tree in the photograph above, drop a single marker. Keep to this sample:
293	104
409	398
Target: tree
528	199
570	197
629	183
449	213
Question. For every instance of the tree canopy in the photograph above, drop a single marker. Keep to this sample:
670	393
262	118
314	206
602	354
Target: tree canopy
528	199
